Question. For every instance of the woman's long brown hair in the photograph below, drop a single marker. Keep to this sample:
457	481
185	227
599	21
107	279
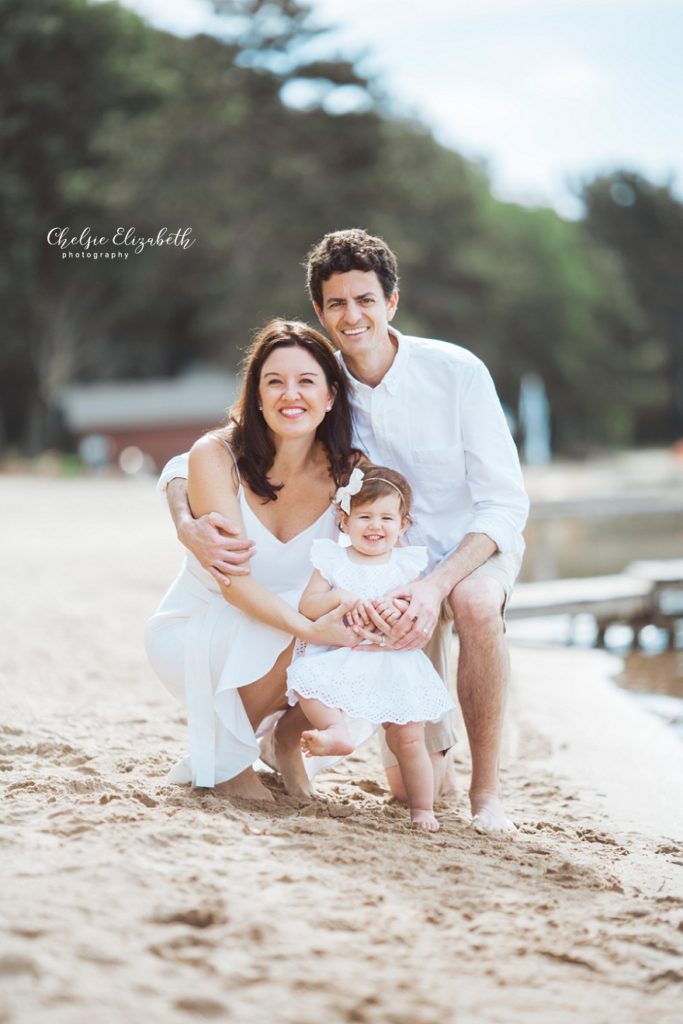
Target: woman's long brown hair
246	430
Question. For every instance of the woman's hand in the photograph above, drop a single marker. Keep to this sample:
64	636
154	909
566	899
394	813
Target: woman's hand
331	631
358	614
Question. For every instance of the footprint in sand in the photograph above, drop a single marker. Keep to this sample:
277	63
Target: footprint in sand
49	748
29	784
664	979
589	835
368	786
11	730
195	917
12	964
185	949
144	798
671	847
202	1007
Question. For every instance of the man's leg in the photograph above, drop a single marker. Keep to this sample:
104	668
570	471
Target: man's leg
477	603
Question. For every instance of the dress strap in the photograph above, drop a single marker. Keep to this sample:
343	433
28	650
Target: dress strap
234	461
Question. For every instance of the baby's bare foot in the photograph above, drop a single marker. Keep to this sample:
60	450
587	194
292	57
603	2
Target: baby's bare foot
323	742
424	819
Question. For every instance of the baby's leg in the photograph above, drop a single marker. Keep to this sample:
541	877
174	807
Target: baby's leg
407	744
330	735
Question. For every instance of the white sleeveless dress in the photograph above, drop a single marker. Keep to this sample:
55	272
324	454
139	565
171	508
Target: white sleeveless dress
375	686
203	649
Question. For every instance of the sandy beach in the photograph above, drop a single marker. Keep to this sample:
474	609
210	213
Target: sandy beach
128	900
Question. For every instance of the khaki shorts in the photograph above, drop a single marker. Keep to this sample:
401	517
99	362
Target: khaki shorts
441	736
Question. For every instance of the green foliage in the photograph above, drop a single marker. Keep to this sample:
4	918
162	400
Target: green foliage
64	68
643	223
107	121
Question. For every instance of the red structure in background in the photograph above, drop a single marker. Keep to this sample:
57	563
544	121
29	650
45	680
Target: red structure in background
159	417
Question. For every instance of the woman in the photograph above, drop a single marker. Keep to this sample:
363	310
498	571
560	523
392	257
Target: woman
273	470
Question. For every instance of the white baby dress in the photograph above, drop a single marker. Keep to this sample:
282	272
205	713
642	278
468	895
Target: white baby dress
376	686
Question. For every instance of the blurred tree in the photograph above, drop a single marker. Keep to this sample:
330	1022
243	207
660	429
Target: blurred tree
559	306
64	66
255	179
524	289
643	223
259	145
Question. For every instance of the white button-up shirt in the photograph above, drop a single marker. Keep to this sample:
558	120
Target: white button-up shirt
435	416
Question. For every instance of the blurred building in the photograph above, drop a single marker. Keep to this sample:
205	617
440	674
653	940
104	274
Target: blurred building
160	417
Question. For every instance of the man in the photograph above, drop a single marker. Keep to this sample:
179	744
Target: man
430	410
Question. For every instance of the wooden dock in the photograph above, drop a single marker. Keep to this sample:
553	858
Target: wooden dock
647	592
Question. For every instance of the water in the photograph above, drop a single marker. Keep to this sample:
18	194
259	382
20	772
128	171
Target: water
568	548
651	674
656	682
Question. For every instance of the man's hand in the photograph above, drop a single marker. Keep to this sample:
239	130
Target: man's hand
416	625
216	544
390	608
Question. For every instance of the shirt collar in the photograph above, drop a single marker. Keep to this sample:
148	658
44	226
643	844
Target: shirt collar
392	377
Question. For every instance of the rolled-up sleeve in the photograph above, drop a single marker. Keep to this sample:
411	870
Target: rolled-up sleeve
494	476
175	468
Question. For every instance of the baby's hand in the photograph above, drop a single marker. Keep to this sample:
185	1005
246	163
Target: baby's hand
390	608
357	615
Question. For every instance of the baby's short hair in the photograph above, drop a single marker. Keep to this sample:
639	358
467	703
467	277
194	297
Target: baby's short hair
379	481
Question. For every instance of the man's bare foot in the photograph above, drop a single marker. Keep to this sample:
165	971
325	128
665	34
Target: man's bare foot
488	816
280	750
246	785
322	742
424	819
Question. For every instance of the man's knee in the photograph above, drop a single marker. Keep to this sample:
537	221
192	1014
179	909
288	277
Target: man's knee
477	605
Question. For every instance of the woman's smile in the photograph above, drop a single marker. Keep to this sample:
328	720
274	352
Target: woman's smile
293	388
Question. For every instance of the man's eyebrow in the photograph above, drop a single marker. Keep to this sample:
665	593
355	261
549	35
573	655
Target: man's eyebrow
339	298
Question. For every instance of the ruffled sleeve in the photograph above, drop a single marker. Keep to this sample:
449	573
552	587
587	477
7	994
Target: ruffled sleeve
411	561
325	556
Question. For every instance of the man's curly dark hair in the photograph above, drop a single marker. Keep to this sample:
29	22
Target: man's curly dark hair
351	249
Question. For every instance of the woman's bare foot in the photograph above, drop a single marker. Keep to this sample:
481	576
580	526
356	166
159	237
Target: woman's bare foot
424	819
286	751
322	742
246	785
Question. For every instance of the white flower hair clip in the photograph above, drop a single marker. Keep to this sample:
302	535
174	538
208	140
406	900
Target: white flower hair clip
344	494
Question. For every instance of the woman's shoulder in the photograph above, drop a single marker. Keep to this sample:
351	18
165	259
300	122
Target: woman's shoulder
211	454
208	446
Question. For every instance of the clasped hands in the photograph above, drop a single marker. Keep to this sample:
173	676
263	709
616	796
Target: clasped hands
402	620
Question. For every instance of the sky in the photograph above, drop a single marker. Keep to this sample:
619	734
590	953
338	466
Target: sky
546	93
